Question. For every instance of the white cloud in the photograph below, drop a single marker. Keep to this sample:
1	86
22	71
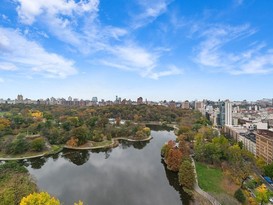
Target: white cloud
2	80
62	18
24	56
7	66
77	24
133	58
151	9
29	10
212	52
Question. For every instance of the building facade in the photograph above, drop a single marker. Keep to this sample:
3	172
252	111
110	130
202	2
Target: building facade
264	145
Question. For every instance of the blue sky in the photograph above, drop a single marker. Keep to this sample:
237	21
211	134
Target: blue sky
157	49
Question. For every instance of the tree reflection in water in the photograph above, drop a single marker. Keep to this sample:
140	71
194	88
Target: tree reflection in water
173	181
35	163
78	157
138	145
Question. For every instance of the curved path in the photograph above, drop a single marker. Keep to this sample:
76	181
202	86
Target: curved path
200	191
20	158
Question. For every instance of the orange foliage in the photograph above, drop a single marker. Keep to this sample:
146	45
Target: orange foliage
73	142
174	159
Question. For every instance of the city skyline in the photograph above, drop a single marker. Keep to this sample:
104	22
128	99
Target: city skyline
160	50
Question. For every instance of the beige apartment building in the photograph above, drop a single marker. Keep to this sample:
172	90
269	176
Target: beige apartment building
264	145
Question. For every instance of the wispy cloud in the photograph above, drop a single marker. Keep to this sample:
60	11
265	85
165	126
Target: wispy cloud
151	9
77	23
27	57
212	52
130	57
7	66
2	80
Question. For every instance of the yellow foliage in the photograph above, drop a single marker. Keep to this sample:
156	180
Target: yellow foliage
4	123
36	113
41	198
262	188
80	203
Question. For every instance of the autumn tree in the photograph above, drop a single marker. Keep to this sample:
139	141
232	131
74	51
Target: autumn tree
166	148
174	159
41	198
183	146
4	123
262	194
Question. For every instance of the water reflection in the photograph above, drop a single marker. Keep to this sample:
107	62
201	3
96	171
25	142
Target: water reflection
173	181
131	173
76	157
36	163
138	145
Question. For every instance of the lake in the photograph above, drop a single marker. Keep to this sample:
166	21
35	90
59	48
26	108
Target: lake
131	174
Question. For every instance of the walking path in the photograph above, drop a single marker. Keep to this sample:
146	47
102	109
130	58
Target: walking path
200	191
20	158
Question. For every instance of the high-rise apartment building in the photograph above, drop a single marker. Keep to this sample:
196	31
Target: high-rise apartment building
228	113
225	113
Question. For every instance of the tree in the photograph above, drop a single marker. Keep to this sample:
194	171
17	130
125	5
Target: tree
80	133
170	145
37	144
239	195
260	163
4	123
174	159
262	194
186	175
268	170
183	146
18	146
41	198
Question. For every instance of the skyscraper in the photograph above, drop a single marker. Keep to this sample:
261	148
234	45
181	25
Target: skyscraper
225	114
228	113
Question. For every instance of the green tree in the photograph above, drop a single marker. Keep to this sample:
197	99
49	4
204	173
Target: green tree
268	170
186	175
18	146
239	195
80	133
37	144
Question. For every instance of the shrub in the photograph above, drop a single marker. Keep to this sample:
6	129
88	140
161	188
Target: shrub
239	195
18	146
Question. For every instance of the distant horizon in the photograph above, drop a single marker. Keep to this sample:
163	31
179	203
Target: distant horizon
157	49
132	99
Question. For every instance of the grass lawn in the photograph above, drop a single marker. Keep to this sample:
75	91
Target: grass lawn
103	143
209	178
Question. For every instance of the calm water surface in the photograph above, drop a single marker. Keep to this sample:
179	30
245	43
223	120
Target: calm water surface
131	174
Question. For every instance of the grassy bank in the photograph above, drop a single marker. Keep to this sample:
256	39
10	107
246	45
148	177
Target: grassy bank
214	181
15	183
209	178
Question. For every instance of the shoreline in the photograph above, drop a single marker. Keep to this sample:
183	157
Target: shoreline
113	144
30	157
114	141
